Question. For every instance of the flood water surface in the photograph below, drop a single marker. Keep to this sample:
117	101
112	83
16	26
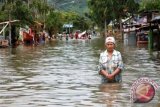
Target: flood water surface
64	74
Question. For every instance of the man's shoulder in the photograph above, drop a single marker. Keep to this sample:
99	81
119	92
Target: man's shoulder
103	53
116	52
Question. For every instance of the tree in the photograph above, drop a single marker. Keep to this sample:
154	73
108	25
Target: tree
106	10
79	22
53	22
21	12
99	11
40	9
16	9
149	5
3	16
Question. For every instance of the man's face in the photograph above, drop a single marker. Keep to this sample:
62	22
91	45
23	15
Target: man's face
110	46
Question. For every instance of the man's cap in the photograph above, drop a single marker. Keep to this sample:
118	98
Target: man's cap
110	39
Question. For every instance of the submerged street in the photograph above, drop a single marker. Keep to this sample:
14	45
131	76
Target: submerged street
65	74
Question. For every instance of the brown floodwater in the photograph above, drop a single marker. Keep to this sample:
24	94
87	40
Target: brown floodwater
64	74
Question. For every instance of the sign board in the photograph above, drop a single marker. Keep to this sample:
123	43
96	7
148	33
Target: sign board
67	25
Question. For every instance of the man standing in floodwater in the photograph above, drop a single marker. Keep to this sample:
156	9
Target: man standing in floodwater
111	64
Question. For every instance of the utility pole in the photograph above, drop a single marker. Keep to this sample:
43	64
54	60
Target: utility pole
45	3
10	39
28	4
10	35
105	28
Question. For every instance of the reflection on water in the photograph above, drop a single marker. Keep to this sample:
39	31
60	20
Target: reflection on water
64	74
110	93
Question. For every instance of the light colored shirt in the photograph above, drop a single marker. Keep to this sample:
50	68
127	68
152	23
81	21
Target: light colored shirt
110	64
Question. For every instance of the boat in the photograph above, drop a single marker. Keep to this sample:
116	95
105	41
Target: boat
82	35
27	37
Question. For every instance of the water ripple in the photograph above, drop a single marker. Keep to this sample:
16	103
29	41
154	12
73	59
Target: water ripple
64	74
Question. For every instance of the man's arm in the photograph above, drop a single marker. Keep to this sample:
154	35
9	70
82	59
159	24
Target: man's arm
119	66
104	73
102	69
117	71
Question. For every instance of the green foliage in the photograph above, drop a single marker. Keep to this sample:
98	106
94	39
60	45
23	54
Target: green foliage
3	16
100	11
16	10
39	10
53	22
78	6
107	10
132	7
78	21
150	5
21	12
39	6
